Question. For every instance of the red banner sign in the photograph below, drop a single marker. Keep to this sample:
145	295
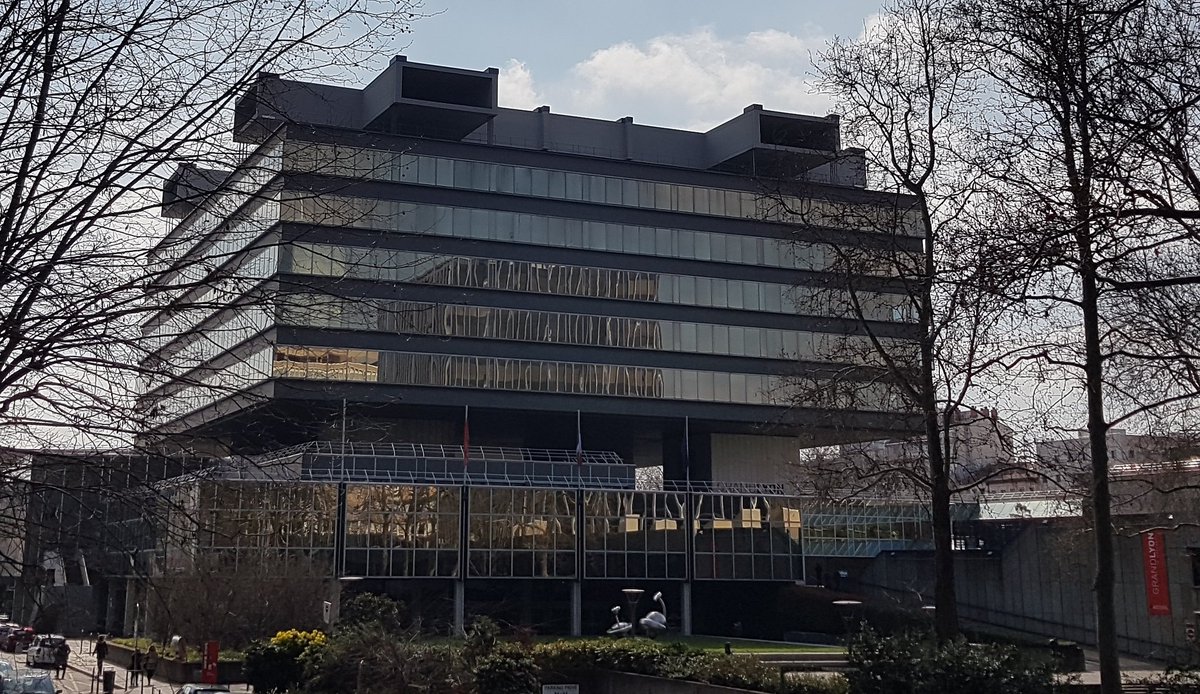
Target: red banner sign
1154	561
208	668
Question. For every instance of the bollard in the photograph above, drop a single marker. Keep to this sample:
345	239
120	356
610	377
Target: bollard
109	681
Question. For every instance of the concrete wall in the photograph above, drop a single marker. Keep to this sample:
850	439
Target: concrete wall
607	682
1040	584
756	459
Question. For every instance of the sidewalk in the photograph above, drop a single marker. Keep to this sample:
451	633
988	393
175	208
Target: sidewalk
83	662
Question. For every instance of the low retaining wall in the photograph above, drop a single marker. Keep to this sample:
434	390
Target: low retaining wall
228	672
609	682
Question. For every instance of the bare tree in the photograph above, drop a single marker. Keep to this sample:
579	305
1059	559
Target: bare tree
98	100
1089	153
906	90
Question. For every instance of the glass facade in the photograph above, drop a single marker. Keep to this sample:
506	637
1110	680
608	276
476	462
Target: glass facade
413	531
402	530
548	327
245	523
522	533
544	376
387	165
565	232
181	397
635	534
747	537
587	282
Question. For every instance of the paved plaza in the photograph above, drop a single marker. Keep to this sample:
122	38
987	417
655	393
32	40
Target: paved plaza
80	676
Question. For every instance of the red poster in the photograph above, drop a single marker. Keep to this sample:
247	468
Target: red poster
1154	561
208	670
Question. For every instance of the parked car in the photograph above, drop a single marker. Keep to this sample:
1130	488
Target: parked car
39	683
201	689
7	673
19	639
41	651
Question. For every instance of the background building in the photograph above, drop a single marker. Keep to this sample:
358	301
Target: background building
981	444
1068	461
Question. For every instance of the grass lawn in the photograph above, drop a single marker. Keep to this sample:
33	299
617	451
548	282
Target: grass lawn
716	644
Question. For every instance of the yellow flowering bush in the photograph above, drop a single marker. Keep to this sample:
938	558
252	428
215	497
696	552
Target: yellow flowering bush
296	641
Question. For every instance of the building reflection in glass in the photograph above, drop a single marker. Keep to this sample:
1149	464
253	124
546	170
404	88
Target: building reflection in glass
413	531
402	530
524	533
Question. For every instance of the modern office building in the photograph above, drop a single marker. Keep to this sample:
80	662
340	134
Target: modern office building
633	328
427	251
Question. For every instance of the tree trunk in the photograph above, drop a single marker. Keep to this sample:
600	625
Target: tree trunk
945	595
1103	585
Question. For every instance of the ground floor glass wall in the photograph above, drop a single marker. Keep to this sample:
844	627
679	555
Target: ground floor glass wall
416	531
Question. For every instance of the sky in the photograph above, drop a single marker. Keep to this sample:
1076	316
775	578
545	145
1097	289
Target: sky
675	63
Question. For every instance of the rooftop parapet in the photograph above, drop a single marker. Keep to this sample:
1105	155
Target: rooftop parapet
443	103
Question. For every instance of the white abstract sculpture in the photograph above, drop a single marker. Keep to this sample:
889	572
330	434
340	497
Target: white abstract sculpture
655	622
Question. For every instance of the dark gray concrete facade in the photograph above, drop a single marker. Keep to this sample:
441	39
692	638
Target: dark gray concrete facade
1040	582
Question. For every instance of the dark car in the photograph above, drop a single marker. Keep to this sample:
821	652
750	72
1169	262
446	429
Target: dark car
18	639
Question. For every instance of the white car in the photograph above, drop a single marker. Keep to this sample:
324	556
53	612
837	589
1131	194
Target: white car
41	652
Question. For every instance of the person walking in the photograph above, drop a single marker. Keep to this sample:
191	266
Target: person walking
101	653
61	654
135	666
150	663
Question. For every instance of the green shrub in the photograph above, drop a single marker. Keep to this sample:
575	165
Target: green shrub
1174	682
368	608
808	683
638	656
677	661
385	663
481	639
740	671
912	664
506	670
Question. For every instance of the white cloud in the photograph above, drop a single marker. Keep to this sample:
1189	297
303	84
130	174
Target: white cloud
696	80
516	87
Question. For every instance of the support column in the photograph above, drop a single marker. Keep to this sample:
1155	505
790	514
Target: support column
464	547
580	564
339	532
576	608
685	608
689	553
460	608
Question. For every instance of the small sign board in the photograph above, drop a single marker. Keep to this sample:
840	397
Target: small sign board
560	689
327	612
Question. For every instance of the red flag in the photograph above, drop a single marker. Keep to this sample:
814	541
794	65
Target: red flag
1154	564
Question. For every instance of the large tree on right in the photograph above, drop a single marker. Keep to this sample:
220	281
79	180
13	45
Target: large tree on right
1086	153
1075	159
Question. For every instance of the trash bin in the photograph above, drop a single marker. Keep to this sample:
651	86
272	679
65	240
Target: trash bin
1068	655
108	681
